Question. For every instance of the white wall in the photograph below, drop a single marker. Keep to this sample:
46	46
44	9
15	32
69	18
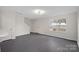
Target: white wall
0	20
78	28
28	22
8	22
42	26
12	24
22	27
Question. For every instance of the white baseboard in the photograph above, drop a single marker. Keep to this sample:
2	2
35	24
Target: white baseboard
22	34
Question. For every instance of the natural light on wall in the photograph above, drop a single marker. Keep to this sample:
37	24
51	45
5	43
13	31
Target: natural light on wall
58	25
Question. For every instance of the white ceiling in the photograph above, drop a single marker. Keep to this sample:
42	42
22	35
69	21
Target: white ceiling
50	10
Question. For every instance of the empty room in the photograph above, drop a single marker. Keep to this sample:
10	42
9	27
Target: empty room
39	28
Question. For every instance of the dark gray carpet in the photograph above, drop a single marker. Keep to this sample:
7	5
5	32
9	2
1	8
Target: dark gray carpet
38	43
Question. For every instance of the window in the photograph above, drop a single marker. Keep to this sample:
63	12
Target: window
58	25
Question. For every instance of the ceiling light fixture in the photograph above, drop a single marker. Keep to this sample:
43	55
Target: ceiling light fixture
39	12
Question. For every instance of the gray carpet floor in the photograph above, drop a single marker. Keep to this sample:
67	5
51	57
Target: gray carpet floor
38	43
